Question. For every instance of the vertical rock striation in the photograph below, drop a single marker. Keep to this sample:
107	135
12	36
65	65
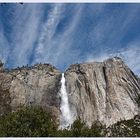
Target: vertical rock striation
102	91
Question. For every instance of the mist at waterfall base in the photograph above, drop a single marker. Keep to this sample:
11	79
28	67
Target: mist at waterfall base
66	118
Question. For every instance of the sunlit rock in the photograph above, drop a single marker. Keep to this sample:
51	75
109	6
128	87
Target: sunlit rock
102	91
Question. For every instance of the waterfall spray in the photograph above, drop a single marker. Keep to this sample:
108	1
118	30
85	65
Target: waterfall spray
66	117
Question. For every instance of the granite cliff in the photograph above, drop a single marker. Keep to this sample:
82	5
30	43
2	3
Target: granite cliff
30	86
103	91
99	91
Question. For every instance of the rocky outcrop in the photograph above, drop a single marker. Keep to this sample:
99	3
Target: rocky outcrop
102	91
30	86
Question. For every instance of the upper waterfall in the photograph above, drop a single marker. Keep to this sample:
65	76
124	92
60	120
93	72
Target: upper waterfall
66	117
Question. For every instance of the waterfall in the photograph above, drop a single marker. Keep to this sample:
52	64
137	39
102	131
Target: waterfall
66	117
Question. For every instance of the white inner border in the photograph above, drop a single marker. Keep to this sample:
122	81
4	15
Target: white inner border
69	1
72	1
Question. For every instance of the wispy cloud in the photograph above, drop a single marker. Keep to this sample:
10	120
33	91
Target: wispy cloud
24	33
111	28
62	34
129	54
57	49
4	47
48	30
65	42
109	34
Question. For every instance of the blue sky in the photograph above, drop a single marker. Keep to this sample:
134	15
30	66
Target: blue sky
63	34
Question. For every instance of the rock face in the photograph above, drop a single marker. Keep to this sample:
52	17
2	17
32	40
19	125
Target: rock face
102	91
138	80
29	86
1	66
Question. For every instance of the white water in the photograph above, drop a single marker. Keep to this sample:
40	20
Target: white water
66	117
